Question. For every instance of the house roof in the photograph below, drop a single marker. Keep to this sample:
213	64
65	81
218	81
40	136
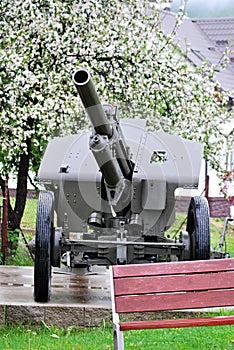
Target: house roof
220	32
207	39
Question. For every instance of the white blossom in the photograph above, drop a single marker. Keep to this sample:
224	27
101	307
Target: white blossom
130	59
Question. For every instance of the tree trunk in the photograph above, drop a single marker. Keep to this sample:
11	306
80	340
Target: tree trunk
15	215
21	190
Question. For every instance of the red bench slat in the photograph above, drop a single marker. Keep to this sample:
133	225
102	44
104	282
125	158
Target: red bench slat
190	322
185	267
173	286
174	301
143	285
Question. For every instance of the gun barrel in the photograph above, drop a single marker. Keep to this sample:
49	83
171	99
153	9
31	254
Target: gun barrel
91	102
108	164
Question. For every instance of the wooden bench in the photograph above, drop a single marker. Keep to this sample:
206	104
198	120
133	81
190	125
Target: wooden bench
170	286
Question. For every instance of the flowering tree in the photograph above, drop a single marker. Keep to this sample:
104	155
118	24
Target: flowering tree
133	63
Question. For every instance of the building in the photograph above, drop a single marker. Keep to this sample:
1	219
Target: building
208	38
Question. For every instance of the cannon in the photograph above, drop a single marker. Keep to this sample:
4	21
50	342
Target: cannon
108	195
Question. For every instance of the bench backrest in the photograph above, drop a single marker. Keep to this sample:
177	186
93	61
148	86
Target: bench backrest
173	286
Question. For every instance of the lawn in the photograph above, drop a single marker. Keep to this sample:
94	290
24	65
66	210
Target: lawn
216	227
32	338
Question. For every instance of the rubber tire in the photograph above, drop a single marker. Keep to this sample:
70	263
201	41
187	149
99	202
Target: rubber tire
44	234
198	227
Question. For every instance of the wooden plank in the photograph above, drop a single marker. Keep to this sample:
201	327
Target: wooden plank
153	284
190	322
174	301
173	268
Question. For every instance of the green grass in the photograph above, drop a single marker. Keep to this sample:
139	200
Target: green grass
32	338
28	221
216	226
28	226
30	213
22	256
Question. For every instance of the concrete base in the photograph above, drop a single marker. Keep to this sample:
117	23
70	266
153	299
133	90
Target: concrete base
76	316
79	300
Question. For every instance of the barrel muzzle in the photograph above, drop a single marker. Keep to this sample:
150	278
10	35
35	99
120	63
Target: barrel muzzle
91	102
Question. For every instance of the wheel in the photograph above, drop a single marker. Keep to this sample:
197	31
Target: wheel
56	250
44	236
198	228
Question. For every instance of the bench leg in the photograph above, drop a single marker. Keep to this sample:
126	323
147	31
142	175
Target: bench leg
118	338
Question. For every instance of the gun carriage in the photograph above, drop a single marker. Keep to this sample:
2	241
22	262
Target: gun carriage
109	195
